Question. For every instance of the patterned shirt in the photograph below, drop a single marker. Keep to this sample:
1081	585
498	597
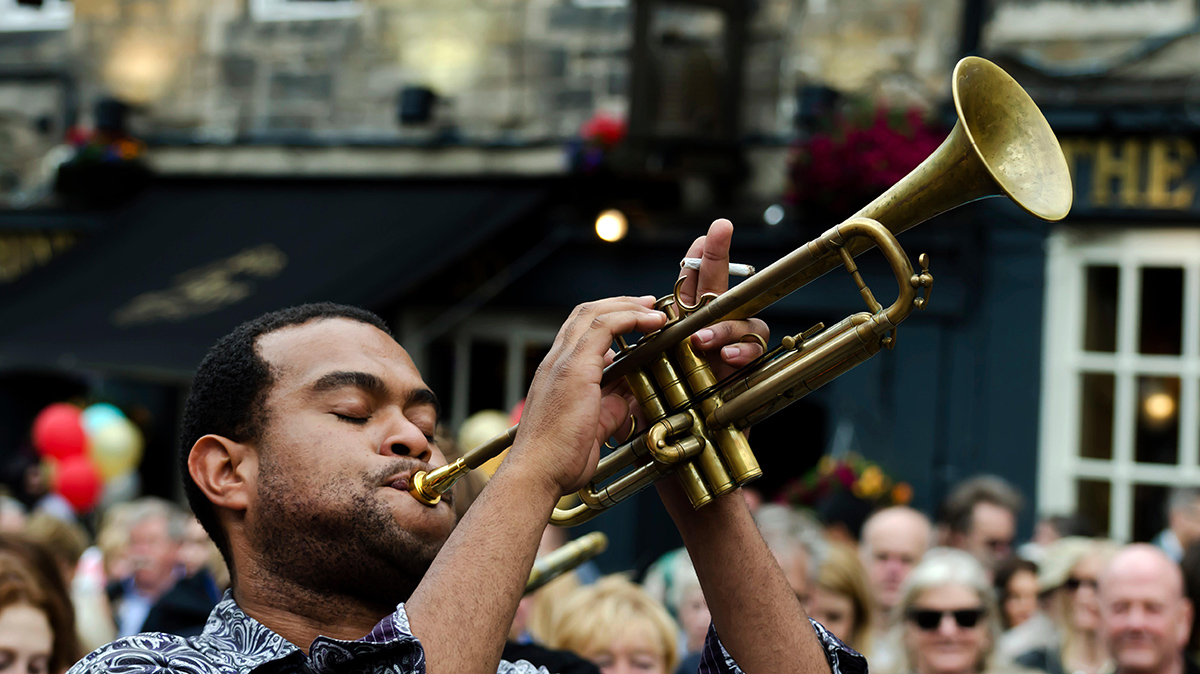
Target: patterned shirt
234	642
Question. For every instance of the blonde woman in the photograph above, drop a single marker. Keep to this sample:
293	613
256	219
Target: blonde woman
950	620
617	625
1069	576
841	601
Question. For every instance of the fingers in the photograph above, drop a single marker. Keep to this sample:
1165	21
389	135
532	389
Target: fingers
714	263
592	327
614	417
713	251
727	337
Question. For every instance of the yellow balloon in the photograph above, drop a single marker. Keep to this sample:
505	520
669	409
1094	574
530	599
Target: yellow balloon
478	429
116	448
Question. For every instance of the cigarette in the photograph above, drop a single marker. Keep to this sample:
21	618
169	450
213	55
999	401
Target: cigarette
735	269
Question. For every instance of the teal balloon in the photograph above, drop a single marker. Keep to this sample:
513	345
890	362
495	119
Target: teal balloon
98	416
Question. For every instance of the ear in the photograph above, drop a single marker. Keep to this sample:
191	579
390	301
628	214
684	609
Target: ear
226	471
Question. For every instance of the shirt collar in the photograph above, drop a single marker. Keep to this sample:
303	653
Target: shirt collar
246	643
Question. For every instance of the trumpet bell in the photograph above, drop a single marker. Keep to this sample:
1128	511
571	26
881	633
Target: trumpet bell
1012	139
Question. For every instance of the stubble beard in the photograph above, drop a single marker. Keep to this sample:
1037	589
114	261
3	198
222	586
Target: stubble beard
355	549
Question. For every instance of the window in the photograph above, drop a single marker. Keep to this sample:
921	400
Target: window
487	362
1120	416
304	10
51	15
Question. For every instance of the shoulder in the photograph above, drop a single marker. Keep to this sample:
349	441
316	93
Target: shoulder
150	652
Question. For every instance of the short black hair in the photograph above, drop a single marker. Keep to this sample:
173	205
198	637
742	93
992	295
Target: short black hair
229	393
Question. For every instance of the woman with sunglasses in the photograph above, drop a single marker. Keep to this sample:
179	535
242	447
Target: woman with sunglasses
948	609
1067	579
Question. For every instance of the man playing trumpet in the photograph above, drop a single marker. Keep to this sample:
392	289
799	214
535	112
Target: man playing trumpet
301	435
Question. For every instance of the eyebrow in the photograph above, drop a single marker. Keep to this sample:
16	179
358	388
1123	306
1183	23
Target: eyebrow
373	385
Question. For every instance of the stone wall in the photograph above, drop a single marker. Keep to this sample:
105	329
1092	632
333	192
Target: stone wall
513	72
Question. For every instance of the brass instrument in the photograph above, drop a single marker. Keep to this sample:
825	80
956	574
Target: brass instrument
567	558
1001	145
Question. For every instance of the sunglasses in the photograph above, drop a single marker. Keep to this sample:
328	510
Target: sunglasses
1074	583
930	620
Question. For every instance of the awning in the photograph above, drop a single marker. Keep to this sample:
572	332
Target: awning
190	259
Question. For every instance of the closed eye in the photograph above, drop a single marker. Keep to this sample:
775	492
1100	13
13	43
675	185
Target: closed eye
359	421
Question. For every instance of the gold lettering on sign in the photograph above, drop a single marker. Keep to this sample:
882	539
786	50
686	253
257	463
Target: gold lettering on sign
1167	164
21	253
204	289
1109	165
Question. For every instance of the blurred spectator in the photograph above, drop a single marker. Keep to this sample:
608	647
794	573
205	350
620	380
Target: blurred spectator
617	625
155	533
1069	579
1144	616
1183	522
1017	591
1191	583
1051	528
26	637
950	616
797	542
684	599
184	608
12	514
674	579
37	622
980	517
841	600
113	540
65	540
893	542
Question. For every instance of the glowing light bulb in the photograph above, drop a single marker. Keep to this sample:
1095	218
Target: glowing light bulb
1159	406
611	225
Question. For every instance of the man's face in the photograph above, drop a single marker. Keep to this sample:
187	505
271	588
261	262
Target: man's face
890	550
152	554
1145	620
794	563
348	421
992	530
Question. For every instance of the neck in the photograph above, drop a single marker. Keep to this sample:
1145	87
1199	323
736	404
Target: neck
300	614
1085	651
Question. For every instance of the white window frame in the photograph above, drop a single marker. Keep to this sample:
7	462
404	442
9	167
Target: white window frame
304	10
1069	252
52	15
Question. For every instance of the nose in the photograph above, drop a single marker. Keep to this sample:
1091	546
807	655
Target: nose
947	625
406	439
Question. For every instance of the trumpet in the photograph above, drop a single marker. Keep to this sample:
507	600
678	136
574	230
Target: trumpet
567	558
1001	145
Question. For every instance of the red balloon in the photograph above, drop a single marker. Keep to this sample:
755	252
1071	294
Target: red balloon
514	416
58	432
78	481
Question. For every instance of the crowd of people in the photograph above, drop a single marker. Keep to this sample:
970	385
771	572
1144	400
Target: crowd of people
951	596
305	430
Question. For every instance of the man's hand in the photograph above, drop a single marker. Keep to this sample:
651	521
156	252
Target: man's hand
713	277
567	414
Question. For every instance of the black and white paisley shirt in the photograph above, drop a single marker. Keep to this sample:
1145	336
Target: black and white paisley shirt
234	642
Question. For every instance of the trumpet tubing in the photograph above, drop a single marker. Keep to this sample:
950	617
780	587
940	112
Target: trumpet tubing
1000	146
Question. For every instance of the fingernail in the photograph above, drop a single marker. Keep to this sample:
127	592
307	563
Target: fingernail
731	351
705	336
